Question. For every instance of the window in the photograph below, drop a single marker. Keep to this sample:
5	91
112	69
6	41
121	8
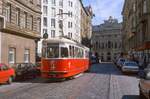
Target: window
116	45
12	55
60	24
144	6
45	1
45	10
61	3
53	13
71	48
60	13
24	20
53	2
27	56
52	33
39	24
69	24
53	51
18	17
70	35
44	31
4	67
134	7
70	3
53	23
8	12
45	21
31	22
64	52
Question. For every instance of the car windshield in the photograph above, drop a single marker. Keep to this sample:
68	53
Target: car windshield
131	64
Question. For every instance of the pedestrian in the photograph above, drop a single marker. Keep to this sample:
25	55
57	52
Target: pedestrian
97	57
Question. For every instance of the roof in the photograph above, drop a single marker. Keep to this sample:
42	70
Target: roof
63	40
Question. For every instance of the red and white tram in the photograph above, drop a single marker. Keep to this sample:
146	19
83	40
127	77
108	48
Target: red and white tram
62	58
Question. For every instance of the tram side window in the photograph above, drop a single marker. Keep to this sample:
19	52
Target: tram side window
53	52
64	52
75	52
80	53
71	48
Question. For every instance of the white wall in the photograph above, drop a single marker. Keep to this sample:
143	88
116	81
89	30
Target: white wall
75	19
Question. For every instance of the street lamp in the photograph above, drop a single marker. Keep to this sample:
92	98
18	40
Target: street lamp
61	22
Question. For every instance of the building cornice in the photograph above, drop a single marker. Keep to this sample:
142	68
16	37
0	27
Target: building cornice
31	8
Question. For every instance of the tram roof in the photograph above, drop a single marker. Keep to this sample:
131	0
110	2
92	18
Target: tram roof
63	40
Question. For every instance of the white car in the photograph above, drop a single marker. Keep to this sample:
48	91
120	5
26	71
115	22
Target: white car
130	67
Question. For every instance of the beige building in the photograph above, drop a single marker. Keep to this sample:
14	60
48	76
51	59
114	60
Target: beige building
107	39
136	27
19	30
86	25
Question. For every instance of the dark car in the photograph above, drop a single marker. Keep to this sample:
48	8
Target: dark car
145	72
144	88
26	70
93	59
120	62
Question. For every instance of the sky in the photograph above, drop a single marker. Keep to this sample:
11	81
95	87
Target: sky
105	8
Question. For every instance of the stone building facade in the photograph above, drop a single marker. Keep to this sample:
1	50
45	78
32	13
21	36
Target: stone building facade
136	27
86	25
107	39
19	30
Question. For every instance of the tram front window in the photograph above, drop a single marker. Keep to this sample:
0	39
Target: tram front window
64	52
52	51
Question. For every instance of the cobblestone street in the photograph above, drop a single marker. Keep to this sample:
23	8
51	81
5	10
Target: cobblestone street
103	82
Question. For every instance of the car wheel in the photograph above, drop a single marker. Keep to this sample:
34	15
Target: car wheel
141	95
10	80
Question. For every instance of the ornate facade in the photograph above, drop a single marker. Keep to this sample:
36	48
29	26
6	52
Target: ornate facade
107	39
19	30
136	27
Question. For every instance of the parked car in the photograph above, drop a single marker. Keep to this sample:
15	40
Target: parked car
144	88
145	73
7	74
130	66
26	70
120	62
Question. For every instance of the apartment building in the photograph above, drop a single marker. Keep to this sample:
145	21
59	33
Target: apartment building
20	25
61	18
136	27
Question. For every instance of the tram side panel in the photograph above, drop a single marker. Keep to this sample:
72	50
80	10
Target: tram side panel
62	68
